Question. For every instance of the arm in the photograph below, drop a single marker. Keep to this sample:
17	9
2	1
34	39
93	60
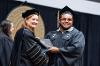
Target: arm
75	48
33	49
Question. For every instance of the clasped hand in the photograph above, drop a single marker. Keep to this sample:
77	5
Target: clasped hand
53	50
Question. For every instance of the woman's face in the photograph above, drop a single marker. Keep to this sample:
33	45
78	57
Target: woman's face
32	21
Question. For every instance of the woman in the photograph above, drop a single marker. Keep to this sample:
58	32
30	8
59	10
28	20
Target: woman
6	28
26	50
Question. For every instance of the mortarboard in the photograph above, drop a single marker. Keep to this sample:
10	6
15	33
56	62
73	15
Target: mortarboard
66	8
30	12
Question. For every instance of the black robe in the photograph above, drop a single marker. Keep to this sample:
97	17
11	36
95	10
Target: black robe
71	45
27	50
6	44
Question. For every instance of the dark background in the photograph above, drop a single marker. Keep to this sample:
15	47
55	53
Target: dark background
89	24
95	1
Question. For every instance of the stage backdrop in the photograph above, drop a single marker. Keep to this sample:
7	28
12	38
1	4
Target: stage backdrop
89	24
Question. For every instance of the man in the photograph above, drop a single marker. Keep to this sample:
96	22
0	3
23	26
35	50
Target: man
68	42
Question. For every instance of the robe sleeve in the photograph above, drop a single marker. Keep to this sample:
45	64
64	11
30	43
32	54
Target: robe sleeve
33	49
75	48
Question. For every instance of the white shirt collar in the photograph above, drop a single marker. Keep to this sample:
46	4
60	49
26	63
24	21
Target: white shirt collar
70	29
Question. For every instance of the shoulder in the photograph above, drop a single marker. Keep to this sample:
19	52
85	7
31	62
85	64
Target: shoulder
3	36
5	39
27	32
76	32
51	32
24	32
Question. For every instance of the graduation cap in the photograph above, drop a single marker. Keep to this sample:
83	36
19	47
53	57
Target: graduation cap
30	12
66	8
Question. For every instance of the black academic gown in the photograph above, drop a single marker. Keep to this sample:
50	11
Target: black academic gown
26	50
6	44
70	44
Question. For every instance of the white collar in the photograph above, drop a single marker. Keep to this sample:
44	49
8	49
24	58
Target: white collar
70	29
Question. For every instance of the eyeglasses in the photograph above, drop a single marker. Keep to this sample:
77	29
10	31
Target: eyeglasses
68	19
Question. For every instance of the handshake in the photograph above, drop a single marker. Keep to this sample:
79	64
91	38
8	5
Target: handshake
48	44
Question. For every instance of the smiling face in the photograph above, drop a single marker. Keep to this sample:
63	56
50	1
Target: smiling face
65	21
32	21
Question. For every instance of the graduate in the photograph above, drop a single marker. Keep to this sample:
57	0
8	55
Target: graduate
68	41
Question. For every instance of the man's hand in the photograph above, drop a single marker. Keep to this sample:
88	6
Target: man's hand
54	50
